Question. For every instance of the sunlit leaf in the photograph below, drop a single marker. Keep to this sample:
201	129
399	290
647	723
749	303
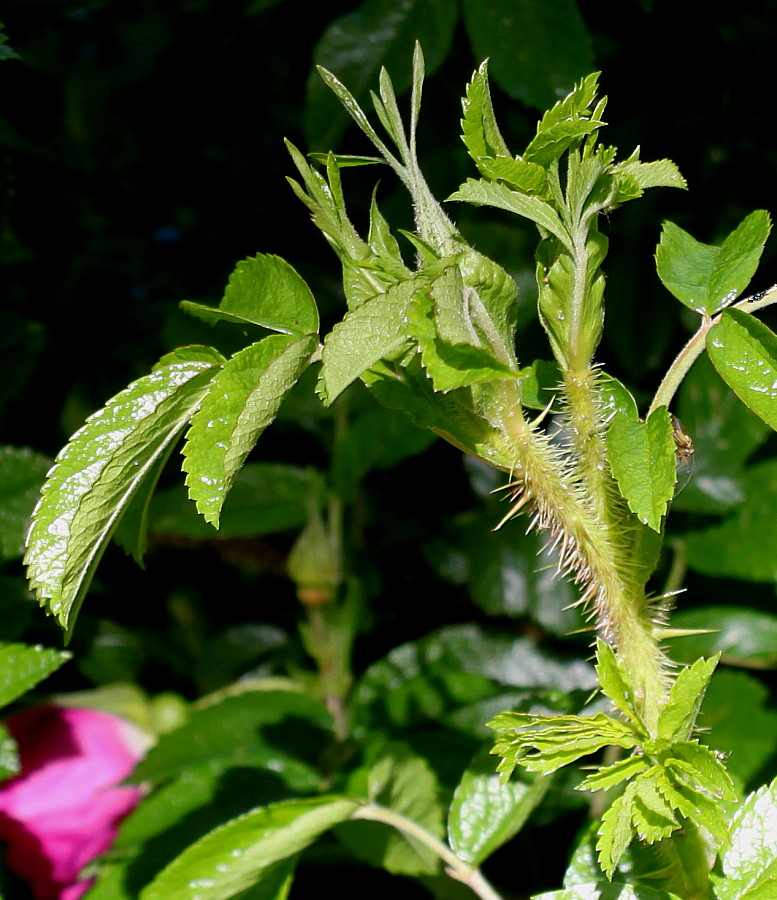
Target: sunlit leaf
241	402
486	813
98	473
708	278
264	290
242	852
744	351
749	862
642	457
22	667
678	715
367	334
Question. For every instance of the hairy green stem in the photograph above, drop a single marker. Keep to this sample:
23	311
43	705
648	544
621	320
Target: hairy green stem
594	552
456	868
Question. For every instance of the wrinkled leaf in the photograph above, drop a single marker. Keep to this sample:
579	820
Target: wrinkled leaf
99	471
486	813
241	402
367	334
750	861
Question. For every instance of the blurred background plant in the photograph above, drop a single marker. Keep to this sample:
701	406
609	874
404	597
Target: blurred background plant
141	146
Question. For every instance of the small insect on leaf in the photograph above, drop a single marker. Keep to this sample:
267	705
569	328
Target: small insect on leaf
684	451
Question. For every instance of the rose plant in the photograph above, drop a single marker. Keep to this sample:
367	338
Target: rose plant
436	339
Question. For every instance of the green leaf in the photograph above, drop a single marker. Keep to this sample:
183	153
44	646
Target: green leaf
725	434
485	813
539	383
367	334
450	365
749	862
610	776
264	290
614	683
537	50
678	717
242	852
744	351
479	130
355	46
642	457
242	401
546	743
607	891
708	278
22	473
484	193
660	173
100	470
397	779
432	677
617	830
22	667
696	764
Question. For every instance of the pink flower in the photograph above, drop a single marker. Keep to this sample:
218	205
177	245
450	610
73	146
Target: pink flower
63	809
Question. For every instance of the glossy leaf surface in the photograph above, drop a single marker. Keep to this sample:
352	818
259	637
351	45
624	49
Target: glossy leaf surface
97	474
486	813
744	351
242	852
241	402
